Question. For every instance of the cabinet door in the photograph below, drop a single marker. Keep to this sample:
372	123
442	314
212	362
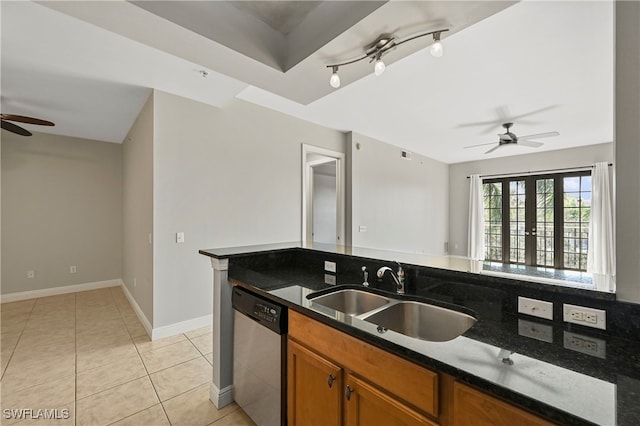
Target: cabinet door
368	406
314	388
474	408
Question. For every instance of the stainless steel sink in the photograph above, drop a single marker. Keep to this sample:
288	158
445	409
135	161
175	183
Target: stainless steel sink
422	321
351	302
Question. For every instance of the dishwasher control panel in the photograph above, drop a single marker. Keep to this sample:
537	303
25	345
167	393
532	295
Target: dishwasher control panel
258	308
266	312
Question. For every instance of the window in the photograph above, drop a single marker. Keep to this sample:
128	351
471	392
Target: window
538	220
577	211
493	220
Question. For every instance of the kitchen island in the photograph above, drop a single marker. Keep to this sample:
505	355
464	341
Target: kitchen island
563	373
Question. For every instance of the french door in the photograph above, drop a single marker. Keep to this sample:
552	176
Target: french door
538	220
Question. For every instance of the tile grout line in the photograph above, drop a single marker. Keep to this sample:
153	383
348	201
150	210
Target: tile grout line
13	351
147	371
75	338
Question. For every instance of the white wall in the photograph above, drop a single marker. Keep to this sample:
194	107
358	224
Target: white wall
137	210
324	207
459	184
61	206
627	137
403	203
224	177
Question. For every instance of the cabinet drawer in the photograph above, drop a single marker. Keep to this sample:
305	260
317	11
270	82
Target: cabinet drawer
473	407
414	384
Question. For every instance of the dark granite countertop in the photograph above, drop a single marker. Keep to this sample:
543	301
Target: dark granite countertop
571	375
535	278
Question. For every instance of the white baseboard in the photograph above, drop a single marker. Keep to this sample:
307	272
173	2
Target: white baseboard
181	327
141	316
45	292
154	333
220	398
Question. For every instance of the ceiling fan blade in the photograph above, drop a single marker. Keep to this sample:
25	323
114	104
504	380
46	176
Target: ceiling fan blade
504	115
482	144
28	120
532	144
539	135
493	149
15	129
536	111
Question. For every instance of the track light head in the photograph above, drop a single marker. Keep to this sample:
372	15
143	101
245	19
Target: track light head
436	47
379	66
334	81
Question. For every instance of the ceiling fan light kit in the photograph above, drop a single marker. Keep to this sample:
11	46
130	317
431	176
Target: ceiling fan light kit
510	138
380	47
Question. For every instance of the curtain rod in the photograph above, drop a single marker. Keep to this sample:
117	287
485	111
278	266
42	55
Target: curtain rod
533	172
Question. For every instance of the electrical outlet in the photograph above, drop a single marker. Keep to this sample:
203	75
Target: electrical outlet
31	274
135	283
329	266
536	331
585	344
329	279
590	317
73	269
536	308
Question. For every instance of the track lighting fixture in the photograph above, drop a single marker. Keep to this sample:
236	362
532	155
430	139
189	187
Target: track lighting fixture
380	47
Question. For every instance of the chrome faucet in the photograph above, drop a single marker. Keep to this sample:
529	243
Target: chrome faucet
365	276
398	278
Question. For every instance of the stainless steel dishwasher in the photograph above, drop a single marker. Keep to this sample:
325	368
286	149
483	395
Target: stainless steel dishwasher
259	357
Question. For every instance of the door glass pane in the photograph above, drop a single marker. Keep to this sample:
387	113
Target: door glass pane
516	219
493	220
544	222
577	213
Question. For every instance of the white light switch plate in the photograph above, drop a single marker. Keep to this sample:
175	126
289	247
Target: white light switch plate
329	266
536	308
180	237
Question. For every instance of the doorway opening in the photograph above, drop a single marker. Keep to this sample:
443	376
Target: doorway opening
323	193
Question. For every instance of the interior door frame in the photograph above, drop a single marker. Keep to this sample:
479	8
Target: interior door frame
307	190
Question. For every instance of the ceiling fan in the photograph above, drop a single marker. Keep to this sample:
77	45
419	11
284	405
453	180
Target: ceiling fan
14	128
509	138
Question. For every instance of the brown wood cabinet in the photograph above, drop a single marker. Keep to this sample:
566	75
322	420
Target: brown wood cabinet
335	379
475	408
314	388
367	405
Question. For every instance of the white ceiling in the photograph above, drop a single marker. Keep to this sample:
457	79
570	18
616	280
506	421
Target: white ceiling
89	67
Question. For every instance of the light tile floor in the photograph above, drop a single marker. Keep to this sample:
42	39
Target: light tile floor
86	354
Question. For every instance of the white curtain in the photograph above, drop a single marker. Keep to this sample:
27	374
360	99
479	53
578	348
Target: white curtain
475	244
601	255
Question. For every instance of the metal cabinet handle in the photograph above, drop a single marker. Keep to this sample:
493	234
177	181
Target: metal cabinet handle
348	392
330	379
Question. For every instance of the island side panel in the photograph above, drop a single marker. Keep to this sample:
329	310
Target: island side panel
221	389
